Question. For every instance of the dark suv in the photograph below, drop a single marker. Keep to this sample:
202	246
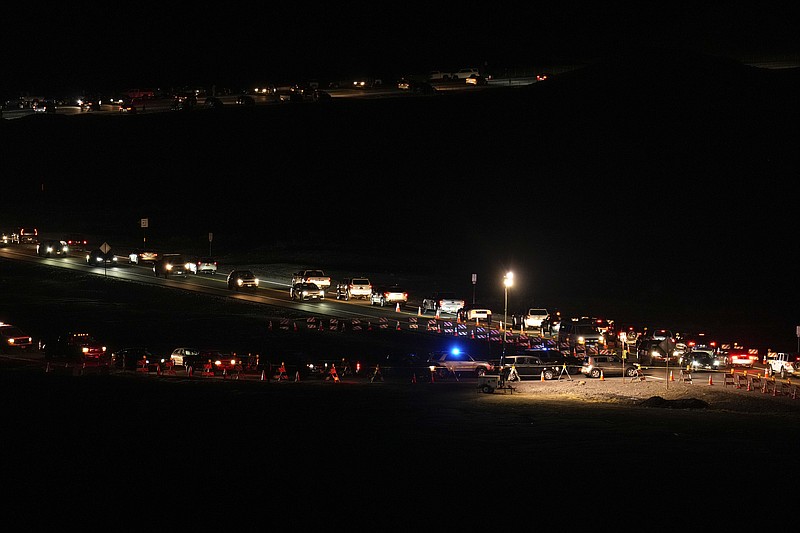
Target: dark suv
50	248
170	265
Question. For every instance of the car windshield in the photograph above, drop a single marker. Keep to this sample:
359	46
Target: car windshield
11	331
315	273
360	281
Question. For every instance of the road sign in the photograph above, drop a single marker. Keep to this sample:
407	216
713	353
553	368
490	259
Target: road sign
145	222
105	247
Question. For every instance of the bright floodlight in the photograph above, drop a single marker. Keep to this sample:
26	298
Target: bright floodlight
508	280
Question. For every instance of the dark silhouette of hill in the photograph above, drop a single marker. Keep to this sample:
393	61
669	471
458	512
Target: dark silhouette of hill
658	179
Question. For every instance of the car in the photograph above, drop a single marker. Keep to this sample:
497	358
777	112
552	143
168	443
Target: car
186	357
52	248
9	237
28	236
384	296
782	363
533	317
529	366
654	351
171	265
699	360
132	358
555	357
77	243
465	73
242	279
202	265
742	357
12	338
579	334
360	288
79	348
246	100
551	323
306	291
212	102
596	366
438	75
443	302
98	257
475	312
222	362
456	361
138	257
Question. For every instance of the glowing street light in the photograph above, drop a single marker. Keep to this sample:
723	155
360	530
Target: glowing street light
508	281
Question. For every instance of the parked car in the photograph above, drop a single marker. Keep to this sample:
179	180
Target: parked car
456	361
555	357
306	291
354	288
12	339
51	248
131	358
596	366
98	257
242	279
529	366
384	296
171	265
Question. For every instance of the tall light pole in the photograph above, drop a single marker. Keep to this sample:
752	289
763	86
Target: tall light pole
508	281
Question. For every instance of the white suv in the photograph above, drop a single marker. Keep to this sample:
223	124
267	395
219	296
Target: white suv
458	362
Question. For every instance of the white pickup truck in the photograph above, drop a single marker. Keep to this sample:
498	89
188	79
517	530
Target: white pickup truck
782	364
316	277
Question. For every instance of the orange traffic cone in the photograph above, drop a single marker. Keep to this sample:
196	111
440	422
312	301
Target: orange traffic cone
671	378
297	376
419	311
398	325
437	313
263	375
413	378
397	308
710	381
602	376
542	378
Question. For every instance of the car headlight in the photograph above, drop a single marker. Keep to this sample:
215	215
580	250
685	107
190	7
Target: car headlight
239	282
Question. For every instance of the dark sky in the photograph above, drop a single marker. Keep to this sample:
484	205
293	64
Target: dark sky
100	45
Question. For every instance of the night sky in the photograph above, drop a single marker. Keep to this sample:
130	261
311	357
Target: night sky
661	177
